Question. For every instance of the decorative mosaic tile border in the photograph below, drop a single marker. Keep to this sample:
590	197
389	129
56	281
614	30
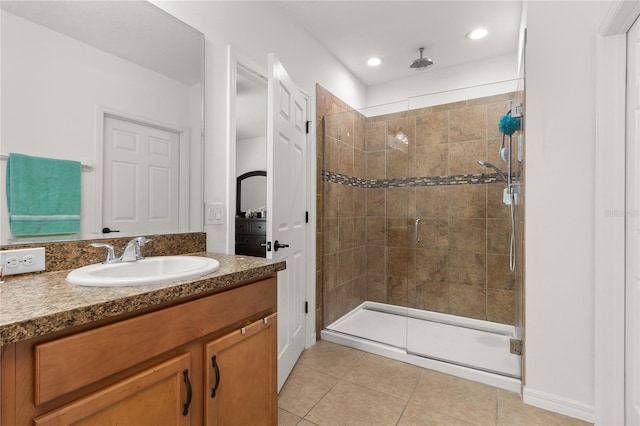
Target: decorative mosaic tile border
410	181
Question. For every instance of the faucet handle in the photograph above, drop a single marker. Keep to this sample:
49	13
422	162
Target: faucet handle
140	242
111	255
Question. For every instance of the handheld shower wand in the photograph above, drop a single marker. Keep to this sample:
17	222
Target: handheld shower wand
491	166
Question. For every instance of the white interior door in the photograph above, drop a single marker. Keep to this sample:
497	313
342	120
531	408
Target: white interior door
141	178
286	208
632	296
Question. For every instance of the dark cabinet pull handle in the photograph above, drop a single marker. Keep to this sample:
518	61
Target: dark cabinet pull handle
214	388
108	231
185	373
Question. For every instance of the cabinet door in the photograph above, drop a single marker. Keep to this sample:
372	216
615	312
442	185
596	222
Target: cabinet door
241	376
159	395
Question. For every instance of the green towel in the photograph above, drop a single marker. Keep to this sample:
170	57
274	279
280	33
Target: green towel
43	195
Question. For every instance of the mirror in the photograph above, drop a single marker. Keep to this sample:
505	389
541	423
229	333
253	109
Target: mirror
66	65
251	192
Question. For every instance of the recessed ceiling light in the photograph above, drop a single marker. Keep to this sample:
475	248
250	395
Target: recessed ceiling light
477	34
374	61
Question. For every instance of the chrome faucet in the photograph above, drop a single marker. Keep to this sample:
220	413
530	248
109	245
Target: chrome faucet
130	253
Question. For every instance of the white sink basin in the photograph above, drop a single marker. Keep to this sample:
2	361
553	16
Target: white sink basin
152	270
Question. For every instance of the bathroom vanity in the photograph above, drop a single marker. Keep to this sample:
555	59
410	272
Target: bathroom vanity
195	352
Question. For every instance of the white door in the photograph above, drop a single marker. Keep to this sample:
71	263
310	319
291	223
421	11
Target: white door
632	296
286	181
141	178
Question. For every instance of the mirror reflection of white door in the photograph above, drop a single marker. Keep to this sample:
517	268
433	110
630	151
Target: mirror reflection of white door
141	178
286	207
632	296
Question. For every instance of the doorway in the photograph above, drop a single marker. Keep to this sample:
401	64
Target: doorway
141	178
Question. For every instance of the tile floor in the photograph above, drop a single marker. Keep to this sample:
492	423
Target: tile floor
335	385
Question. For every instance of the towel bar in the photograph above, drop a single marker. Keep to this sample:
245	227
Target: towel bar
86	167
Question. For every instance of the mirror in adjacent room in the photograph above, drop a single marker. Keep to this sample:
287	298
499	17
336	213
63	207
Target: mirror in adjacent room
68	68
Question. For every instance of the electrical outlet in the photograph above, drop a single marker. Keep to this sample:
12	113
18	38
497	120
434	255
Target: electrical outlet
22	261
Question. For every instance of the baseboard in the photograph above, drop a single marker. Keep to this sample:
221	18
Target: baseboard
558	404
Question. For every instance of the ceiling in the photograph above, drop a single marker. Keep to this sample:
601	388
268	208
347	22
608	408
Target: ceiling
394	30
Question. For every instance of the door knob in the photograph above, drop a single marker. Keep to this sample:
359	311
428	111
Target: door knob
277	245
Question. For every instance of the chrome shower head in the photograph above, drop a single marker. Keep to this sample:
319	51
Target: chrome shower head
491	166
421	63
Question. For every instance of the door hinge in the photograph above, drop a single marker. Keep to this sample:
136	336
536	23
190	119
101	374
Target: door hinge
306	217
308	127
515	346
306	307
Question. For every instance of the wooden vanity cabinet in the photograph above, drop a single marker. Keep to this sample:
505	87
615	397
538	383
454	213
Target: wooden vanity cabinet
153	368
241	390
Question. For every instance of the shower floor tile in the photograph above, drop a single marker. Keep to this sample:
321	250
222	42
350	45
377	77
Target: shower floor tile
337	385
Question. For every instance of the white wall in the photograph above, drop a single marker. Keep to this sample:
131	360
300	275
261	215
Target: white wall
560	128
254	29
51	88
470	75
251	154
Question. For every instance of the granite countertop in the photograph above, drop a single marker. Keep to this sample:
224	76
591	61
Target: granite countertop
38	304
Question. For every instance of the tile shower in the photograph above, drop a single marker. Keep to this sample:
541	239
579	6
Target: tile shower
386	181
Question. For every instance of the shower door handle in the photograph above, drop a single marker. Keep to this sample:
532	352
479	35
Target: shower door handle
417	231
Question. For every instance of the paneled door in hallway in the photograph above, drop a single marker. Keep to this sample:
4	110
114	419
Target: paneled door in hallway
141	178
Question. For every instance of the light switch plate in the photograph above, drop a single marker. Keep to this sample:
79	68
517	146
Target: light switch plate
213	214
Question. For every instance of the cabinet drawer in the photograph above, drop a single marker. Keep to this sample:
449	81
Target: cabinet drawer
242	226
258	227
69	363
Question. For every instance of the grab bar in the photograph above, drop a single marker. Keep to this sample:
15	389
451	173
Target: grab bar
417	231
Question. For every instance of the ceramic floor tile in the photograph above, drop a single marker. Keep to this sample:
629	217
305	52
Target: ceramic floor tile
463	399
351	404
286	418
512	411
385	375
416	415
303	389
330	358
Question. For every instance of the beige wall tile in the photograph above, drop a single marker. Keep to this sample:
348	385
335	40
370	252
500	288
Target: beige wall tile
432	128
375	202
498	235
464	156
432	296
431	265
498	274
495	207
376	260
396	164
432	201
468	301
501	306
376	165
397	262
330	271
376	230
345	159
397	202
376	288
397	232
346	127
432	160
468	124
433	234
469	201
345	200
376	136
467	268
468	235
330	199
397	291
345	266
346	233
331	236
